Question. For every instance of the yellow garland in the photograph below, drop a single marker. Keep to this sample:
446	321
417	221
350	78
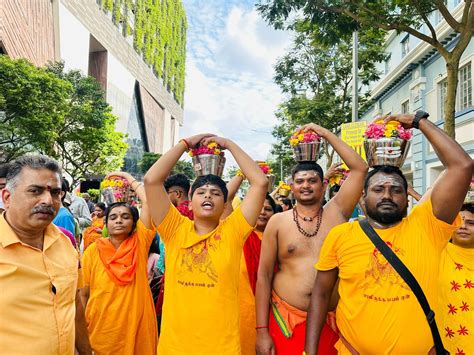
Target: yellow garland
284	186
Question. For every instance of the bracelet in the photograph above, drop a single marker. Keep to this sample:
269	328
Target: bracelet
261	327
186	144
239	173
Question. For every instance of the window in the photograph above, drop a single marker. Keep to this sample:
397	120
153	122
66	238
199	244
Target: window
438	16
405	106
387	64
442	89
465	87
405	46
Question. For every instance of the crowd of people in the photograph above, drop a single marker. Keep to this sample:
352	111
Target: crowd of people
195	270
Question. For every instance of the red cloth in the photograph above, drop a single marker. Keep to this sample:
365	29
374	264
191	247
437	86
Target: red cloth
252	248
295	344
183	208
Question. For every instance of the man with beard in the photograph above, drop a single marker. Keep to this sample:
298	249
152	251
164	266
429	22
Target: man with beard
40	311
292	240
377	312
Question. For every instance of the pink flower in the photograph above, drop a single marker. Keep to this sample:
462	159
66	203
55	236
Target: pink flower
403	133
310	137
375	131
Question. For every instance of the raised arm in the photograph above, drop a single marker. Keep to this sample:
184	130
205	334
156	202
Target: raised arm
268	258
318	308
140	191
253	201
158	201
450	189
348	196
232	187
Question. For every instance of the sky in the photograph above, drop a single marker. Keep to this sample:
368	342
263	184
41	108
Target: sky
229	91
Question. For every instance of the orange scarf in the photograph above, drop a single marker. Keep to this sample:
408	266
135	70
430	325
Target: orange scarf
120	264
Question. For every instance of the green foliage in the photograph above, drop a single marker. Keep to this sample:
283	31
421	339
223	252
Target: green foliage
148	160
87	143
94	194
159	35
33	103
318	77
181	167
338	19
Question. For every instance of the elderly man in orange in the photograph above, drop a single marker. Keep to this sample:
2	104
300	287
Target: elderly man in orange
39	265
120	313
94	231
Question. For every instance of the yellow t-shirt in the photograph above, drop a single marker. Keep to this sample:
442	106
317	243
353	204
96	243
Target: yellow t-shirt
456	299
377	311
201	303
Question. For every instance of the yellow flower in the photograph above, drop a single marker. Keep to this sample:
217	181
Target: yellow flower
212	145
388	133
294	141
300	137
217	151
190	153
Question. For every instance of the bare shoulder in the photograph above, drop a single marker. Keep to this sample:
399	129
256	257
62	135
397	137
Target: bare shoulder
332	215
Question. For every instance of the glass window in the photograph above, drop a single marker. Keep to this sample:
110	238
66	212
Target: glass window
387	64
406	106
405	46
465	87
442	90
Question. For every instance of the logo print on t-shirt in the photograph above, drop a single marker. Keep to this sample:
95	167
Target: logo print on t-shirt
380	270
196	259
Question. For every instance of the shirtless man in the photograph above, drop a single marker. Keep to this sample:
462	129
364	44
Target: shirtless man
294	239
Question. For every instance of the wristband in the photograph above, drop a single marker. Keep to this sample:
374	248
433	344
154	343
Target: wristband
186	144
262	327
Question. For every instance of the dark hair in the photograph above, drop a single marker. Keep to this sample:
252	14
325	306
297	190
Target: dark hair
101	205
272	203
64	184
385	169
31	161
469	207
133	212
307	166
279	209
4	170
210	180
287	202
179	180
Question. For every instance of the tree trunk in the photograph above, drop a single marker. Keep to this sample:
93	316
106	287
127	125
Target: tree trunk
452	69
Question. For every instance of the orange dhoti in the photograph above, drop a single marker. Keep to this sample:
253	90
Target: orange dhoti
287	327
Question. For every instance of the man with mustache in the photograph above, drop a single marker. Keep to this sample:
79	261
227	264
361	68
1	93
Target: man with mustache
292	240
377	312
40	311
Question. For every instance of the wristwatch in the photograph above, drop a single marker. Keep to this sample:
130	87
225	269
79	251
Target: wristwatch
419	115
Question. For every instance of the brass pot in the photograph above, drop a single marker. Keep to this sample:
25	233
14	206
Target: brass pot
386	151
284	192
307	151
206	164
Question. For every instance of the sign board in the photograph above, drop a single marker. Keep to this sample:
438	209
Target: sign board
353	134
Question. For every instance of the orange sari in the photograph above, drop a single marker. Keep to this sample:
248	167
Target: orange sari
90	233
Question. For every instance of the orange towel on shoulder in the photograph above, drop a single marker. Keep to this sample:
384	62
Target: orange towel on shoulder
120	264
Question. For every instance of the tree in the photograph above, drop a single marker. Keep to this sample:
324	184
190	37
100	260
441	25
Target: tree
318	77
181	167
86	142
337	19
33	103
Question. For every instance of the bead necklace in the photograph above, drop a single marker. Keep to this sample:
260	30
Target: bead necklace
296	217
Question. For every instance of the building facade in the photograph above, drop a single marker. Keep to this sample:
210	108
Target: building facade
134	48
414	78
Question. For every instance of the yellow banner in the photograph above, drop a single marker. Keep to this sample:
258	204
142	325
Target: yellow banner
353	134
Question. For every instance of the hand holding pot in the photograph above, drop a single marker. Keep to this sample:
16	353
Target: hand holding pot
312	127
222	142
195	141
406	120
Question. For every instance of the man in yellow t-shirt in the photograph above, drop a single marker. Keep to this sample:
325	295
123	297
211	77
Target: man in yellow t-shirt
377	311
456	288
201	303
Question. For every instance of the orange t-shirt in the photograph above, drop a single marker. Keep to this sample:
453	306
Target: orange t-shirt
455	315
377	311
120	319
201	303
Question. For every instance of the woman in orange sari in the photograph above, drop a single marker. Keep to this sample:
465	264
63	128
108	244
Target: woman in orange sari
119	306
94	231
